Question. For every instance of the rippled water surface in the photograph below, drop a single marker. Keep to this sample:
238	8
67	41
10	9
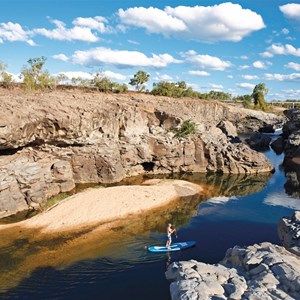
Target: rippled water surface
237	210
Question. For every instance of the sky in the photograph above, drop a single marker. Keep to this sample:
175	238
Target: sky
209	44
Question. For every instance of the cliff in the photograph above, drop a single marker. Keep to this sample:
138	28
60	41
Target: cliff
51	141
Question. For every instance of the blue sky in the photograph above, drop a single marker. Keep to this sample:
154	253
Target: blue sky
212	45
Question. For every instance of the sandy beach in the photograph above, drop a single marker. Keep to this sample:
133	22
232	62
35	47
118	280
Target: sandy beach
99	206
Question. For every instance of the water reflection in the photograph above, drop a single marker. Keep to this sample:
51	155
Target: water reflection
22	251
292	174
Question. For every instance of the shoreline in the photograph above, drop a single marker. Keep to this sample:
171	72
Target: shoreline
96	207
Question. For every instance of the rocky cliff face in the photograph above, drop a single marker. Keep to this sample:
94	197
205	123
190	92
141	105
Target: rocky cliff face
51	141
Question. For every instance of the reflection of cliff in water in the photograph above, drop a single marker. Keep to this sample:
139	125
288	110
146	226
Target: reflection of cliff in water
225	184
292	174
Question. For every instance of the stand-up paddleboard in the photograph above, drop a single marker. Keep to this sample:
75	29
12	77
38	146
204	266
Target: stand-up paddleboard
174	247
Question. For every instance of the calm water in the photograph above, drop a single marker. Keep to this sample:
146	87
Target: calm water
242	210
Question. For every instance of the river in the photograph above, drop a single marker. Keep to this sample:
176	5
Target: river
237	210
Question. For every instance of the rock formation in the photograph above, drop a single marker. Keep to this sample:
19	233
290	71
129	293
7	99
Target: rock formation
51	141
263	271
289	232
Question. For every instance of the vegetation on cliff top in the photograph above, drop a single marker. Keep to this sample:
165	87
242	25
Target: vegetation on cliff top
35	78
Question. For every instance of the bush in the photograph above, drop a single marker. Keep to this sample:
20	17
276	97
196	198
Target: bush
187	127
34	78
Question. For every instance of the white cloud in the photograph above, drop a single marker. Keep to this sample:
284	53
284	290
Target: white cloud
152	19
162	77
89	76
216	86
259	65
246	85
279	49
199	73
121	58
97	23
292	93
61	56
266	54
68	34
283	77
13	32
229	76
285	31
244	57
133	42
293	65
223	22
206	61
244	67
291	11
250	77
78	74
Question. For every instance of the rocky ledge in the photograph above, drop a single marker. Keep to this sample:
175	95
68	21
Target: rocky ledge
262	271
49	142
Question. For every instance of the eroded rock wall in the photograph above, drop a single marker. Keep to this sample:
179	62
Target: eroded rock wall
51	141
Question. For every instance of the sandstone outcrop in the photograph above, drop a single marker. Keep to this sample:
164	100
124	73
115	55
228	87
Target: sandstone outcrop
51	141
261	271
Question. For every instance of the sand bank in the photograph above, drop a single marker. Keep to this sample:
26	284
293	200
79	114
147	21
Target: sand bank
97	206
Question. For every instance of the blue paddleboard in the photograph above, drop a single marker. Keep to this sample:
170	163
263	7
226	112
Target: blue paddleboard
174	247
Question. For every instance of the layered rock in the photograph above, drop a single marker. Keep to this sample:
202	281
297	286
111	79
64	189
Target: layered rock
263	271
106	138
289	232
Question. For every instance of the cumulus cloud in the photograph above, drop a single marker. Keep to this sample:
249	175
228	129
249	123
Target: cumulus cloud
97	23
293	65
246	85
61	56
279	49
223	22
216	86
121	58
205	61
244	67
13	32
250	77
259	65
199	73
162	77
291	11
67	34
283	77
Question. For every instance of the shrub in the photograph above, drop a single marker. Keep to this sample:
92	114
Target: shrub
187	127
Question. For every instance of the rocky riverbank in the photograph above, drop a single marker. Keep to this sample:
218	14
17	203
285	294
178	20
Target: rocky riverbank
260	271
51	141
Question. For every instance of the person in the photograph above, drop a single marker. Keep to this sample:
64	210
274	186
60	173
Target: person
170	231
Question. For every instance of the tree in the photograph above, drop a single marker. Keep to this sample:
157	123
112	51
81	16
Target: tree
139	79
258	95
34	77
62	78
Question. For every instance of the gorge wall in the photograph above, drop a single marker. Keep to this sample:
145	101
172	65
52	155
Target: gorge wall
51	141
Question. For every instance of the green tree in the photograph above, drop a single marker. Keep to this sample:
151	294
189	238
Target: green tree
34	77
258	95
61	78
139	79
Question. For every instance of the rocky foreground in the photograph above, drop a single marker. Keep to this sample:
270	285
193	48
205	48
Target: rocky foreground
50	142
261	271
